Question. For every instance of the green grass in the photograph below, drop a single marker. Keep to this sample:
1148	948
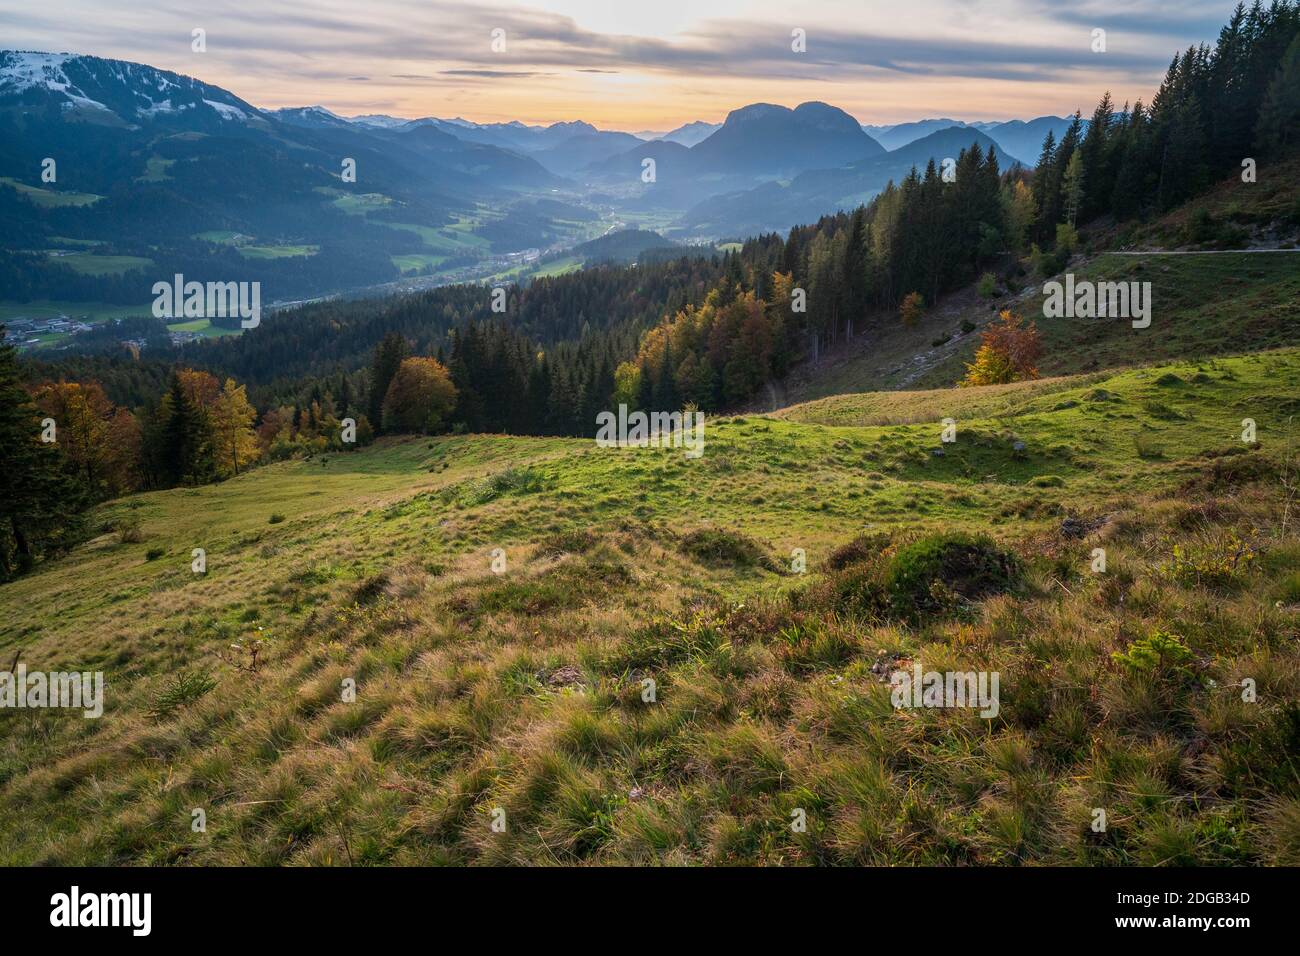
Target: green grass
357	204
454	239
88	263
50	198
225	236
525	690
278	252
156	170
559	267
442	242
415	262
90	311
203	326
249	250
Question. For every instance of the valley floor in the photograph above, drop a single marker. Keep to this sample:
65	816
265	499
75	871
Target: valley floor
500	604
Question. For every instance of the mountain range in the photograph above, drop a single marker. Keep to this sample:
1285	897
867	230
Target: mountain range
777	205
1020	139
159	171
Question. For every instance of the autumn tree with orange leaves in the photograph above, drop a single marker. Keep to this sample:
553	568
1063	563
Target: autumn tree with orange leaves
1009	351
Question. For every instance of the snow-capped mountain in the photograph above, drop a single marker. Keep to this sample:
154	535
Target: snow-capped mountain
113	92
379	120
316	116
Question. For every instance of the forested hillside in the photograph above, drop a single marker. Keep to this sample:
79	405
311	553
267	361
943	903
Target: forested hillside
716	332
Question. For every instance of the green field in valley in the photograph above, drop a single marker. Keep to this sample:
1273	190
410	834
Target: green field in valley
50	198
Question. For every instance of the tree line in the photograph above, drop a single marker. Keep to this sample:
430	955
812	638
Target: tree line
704	332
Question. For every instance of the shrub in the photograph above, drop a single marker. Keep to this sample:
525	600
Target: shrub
988	284
862	548
858	589
575	541
370	590
928	574
1008	352
512	481
183	689
153	554
129	530
276	518
1147	446
1159	654
1047	264
910	309
1217	564
1067	240
720	546
1289	589
1233	471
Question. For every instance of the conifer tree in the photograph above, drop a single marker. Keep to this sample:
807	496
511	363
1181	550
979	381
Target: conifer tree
39	504
387	360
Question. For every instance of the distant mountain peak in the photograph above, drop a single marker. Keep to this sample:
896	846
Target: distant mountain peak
381	120
691	133
755	111
575	126
770	140
310	115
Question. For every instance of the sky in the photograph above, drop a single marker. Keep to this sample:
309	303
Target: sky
641	64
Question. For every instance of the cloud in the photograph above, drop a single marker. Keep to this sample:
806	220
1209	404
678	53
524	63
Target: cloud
445	46
1148	19
457	36
494	74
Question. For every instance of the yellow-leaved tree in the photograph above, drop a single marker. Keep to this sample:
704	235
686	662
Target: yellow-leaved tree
232	426
1008	352
420	398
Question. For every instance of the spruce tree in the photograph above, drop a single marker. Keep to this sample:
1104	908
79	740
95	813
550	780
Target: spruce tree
388	359
1279	117
39	504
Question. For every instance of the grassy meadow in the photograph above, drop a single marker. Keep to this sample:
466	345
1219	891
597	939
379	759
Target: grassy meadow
518	693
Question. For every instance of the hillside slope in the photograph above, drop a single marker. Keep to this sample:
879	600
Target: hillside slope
523	691
1225	279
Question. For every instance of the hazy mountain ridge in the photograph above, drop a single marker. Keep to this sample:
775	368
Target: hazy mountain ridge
143	145
1020	138
777	206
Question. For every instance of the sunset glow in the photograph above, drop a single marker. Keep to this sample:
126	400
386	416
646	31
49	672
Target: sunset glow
639	66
